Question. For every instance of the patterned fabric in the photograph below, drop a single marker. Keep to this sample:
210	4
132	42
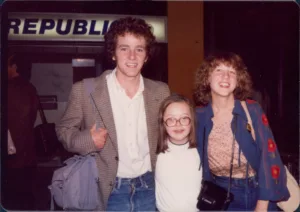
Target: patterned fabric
261	154
74	128
219	153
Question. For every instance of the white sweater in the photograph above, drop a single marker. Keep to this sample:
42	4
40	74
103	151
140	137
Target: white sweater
178	179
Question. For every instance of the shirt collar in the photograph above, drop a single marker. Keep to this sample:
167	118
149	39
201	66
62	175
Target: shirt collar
237	110
175	147
120	88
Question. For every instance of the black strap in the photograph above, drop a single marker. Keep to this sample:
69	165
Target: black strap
231	161
232	154
41	111
202	159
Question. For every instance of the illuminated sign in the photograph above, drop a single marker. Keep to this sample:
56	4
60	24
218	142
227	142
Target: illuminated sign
72	27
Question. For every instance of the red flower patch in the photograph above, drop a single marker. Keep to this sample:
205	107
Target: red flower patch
271	145
264	119
275	170
250	101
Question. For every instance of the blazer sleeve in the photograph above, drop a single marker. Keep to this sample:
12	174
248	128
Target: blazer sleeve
68	129
271	174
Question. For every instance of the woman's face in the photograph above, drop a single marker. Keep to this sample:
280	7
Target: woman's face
223	81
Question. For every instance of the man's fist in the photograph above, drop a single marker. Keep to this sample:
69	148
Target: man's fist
98	136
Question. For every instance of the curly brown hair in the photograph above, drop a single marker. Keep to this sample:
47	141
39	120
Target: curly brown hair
163	135
131	25
202	91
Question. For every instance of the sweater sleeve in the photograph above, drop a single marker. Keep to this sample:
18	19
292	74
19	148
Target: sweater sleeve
271	174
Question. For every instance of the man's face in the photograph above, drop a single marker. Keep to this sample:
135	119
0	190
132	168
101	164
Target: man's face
130	55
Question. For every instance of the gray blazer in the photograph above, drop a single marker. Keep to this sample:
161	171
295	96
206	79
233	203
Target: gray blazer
73	130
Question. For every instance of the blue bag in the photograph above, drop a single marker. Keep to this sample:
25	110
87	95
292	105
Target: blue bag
75	186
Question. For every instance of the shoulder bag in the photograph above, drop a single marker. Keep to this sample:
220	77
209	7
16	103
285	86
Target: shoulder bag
294	201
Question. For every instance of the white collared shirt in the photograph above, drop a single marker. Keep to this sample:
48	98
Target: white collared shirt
131	129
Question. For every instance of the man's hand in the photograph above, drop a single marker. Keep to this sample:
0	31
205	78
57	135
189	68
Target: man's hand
98	136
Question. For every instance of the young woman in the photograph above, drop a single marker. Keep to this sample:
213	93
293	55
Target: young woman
177	176
258	176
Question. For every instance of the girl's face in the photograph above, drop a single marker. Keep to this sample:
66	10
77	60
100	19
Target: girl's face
223	81
177	121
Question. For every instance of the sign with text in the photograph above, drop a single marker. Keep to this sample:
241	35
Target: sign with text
72	27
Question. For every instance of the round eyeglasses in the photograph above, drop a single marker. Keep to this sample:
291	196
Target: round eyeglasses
184	121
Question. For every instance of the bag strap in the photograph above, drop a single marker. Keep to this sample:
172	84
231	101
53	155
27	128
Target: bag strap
52	199
231	160
90	85
41	111
244	105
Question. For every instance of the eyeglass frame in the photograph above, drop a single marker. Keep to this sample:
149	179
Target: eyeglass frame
178	120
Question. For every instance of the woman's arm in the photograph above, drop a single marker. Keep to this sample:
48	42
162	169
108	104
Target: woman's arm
271	173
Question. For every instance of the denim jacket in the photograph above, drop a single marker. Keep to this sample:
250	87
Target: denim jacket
261	153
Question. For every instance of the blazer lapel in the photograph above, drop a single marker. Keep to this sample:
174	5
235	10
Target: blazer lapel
151	105
102	100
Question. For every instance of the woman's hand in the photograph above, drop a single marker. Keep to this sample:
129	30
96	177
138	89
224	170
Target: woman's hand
261	205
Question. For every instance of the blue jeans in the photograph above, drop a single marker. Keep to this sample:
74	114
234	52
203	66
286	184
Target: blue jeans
244	191
133	194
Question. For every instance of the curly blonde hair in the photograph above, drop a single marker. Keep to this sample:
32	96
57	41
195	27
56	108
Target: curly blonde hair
202	91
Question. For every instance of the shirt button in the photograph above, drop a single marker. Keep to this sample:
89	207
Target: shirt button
117	158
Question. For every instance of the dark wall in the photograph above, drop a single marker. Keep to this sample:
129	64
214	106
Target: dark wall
97	7
266	35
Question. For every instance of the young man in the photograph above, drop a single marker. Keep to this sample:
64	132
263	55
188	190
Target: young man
128	106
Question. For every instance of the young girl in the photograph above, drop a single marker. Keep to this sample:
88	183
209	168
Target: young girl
177	176
258	175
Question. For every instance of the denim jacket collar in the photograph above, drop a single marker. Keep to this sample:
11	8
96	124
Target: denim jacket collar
237	110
